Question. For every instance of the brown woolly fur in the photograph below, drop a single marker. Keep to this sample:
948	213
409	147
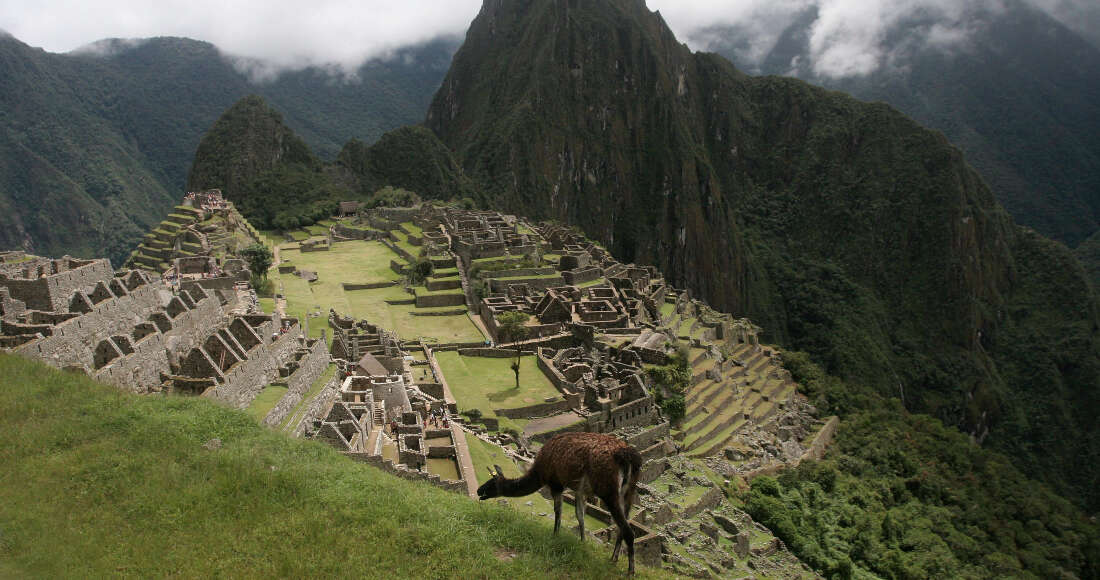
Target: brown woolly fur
589	464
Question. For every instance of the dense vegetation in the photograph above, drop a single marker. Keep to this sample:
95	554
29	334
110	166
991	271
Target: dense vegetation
412	158
842	228
95	145
901	495
248	141
1089	255
671	382
97	483
278	183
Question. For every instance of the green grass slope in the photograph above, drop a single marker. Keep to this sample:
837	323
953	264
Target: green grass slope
98	483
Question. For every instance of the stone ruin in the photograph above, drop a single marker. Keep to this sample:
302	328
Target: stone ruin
605	388
133	330
381	418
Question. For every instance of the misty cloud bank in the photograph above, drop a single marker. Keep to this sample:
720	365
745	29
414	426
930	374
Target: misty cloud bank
261	36
845	37
850	37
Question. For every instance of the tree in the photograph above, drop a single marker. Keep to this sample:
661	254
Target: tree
259	259
511	328
420	271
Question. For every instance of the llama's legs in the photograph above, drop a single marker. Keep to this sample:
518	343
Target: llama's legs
618	536
626	533
557	510
580	513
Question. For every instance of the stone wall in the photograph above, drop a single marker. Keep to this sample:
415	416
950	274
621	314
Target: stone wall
436	300
649	436
492	352
370	286
357	234
139	312
519	273
634	413
574	277
399	251
319	406
311	367
245	380
408	474
219	283
52	292
822	440
536	410
435	284
564	386
498	285
710	500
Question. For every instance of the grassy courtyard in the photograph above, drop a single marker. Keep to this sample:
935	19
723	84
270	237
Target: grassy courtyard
361	262
489	383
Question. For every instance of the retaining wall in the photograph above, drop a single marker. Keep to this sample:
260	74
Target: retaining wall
299	382
436	300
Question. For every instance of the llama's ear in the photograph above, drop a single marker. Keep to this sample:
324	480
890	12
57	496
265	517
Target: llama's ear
499	470
491	474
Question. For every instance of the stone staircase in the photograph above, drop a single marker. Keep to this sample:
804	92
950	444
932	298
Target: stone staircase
379	414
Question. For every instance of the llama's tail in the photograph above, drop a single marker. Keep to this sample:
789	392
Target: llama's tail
630	465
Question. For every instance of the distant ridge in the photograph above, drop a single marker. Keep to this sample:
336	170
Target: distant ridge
95	145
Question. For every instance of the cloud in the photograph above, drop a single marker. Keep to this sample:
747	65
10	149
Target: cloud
280	34
845	37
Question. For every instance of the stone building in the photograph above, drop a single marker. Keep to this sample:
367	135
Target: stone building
132	330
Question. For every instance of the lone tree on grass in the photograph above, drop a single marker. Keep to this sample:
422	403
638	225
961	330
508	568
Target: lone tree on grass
259	259
512	329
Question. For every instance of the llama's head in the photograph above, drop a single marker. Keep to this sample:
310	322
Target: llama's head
493	487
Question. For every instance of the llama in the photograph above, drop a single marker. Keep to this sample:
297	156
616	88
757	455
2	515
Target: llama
587	463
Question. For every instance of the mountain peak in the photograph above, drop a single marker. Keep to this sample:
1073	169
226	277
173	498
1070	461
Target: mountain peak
247	140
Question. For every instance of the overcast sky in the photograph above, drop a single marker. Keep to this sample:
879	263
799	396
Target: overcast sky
846	39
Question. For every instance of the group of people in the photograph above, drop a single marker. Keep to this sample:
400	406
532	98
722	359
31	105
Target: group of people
437	418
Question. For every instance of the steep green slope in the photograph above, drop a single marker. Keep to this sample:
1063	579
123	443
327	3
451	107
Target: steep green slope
843	228
900	495
1089	255
68	180
97	143
411	158
248	140
102	484
1016	96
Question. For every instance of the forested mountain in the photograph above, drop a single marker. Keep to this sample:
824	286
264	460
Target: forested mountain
96	144
1015	93
277	182
842	227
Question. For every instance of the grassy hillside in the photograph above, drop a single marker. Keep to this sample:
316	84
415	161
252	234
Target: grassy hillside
97	483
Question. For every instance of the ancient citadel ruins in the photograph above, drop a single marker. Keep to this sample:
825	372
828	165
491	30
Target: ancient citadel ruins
182	319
